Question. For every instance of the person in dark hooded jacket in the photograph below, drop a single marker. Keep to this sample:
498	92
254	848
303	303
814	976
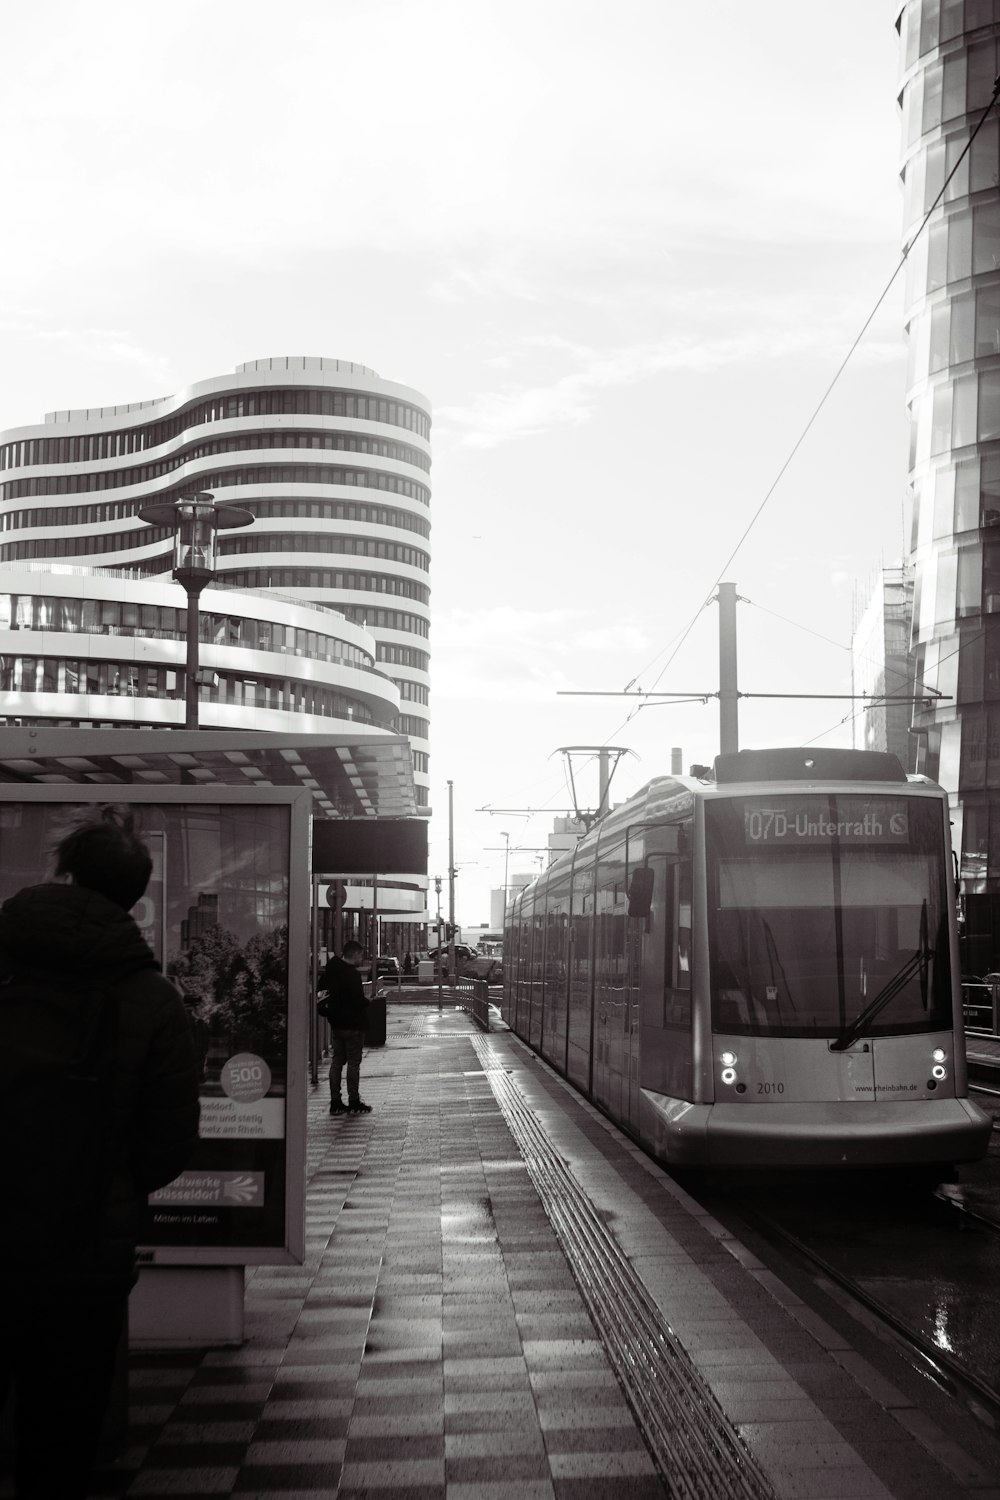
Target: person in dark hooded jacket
346	1009
63	1306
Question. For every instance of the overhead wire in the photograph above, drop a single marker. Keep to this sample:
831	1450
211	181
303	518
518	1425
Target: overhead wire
683	635
856	714
836	377
797	624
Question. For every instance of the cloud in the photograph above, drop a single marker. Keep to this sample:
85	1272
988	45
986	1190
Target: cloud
497	417
769	331
112	346
535	127
622	636
522	655
494	278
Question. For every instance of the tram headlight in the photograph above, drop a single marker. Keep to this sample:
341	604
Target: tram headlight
938	1071
728	1059
938	1054
729	1075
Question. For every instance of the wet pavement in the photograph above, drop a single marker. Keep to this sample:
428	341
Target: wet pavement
933	1269
495	1278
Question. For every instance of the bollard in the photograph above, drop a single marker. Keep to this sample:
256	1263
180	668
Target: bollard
375	1022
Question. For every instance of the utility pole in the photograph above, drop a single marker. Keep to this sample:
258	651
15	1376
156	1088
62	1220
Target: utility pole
728	696
438	962
506	867
451	883
729	733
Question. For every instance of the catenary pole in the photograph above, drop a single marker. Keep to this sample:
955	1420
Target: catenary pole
729	732
451	882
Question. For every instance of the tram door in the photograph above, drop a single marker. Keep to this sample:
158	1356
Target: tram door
608	1009
616	1029
634	944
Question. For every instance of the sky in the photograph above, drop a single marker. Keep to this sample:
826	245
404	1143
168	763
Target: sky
623	251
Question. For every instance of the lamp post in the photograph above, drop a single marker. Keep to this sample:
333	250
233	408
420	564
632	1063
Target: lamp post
437	952
195	519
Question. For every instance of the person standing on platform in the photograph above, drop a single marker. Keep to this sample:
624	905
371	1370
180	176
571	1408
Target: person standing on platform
99	1107
346	1009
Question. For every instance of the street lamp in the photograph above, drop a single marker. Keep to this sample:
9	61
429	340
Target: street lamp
195	519
437	951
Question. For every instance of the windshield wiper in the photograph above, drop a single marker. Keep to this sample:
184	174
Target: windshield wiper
917	963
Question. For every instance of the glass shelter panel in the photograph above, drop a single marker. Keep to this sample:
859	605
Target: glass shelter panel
216	914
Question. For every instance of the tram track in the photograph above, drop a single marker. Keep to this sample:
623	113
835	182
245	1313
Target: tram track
919	1268
965	1211
977	1389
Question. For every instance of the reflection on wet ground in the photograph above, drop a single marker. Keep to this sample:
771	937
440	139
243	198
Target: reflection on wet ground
933	1268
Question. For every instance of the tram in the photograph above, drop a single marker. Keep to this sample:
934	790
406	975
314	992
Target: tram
758	969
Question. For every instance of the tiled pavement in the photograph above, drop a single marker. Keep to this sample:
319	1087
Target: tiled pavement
436	1346
433	1344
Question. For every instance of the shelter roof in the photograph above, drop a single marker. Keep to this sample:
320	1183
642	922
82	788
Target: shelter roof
352	775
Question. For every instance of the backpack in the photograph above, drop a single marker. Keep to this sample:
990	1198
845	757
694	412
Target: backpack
58	1048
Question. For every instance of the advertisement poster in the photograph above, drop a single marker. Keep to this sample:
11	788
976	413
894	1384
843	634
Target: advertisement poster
217	915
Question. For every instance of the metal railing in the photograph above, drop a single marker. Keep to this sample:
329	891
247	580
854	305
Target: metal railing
472	996
981	1007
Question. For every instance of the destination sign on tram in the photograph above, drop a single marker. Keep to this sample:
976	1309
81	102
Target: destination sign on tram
826	820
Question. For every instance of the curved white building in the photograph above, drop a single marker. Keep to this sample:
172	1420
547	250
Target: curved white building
100	649
320	612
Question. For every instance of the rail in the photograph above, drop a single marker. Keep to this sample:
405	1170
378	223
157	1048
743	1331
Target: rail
476	1001
981	1007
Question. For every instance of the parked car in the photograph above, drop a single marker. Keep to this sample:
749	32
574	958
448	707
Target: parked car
463	953
482	966
387	967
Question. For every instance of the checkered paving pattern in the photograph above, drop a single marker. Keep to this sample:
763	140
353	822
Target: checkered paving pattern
433	1345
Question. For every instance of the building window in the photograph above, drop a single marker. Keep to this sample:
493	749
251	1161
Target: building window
987	321
297	400
989	405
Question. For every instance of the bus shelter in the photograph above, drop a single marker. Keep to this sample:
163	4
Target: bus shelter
231	821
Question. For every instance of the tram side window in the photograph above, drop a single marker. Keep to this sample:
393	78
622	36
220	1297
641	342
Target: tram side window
523	964
683	980
537	940
669	935
677	1002
611	932
555	963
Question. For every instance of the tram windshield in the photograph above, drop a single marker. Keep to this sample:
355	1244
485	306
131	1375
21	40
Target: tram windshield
827	915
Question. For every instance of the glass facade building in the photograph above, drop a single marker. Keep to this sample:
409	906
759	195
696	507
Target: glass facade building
320	610
951	57
881	667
